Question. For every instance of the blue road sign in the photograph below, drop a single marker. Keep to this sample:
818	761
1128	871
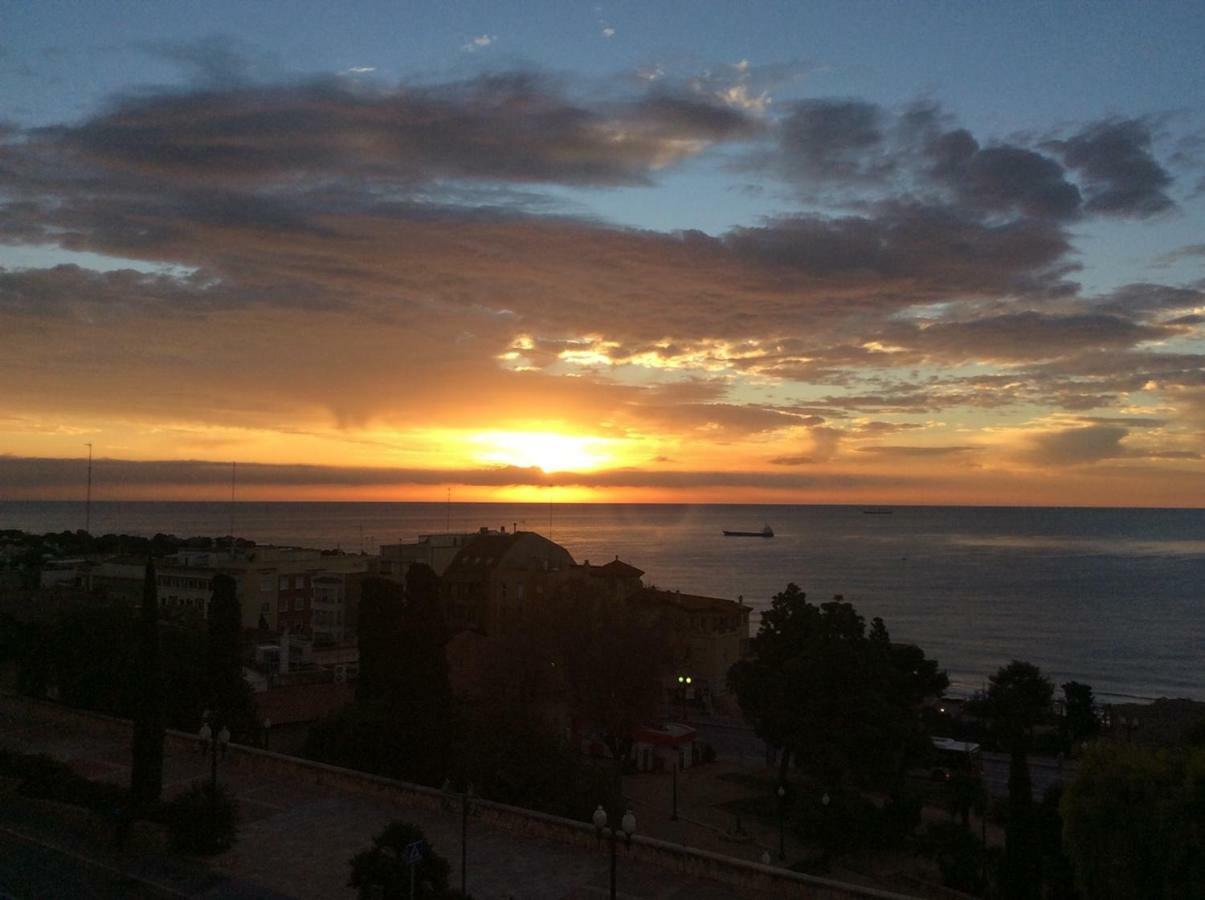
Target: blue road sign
413	854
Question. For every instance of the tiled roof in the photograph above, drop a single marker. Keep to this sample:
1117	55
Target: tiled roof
622	569
485	550
689	602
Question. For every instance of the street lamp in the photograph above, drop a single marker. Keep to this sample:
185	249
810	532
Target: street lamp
628	824
782	839
673	816
684	681
213	743
468	807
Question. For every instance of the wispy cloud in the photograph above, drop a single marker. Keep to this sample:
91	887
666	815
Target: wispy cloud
480	42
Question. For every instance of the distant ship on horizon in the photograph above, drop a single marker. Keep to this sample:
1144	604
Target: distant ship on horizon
766	532
877	511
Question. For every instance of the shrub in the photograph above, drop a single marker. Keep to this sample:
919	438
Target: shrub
959	855
846	824
200	820
49	779
381	866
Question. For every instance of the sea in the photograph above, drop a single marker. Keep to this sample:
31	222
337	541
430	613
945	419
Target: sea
1114	598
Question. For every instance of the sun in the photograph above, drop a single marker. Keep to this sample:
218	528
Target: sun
548	451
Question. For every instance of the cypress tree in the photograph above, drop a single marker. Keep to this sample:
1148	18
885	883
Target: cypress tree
229	694
381	609
146	767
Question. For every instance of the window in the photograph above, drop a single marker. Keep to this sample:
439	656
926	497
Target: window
266	582
284	582
298	581
298	603
282	605
265	608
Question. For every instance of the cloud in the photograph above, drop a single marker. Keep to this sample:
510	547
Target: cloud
939	247
1147	301
608	32
1004	179
480	42
216	60
513	127
1025	335
410	227
866	152
910	452
1120	173
834	140
33	474
1188	251
1077	446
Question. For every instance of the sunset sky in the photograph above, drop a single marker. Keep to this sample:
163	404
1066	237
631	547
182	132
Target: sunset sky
659	251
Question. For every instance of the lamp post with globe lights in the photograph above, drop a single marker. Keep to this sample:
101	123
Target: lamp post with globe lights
213	743
628	826
782	804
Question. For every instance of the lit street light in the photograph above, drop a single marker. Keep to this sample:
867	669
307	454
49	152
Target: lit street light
684	682
628	824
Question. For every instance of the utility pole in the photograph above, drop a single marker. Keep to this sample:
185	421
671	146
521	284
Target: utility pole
88	498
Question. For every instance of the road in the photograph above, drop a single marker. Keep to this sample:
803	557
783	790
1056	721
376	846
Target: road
736	742
32	870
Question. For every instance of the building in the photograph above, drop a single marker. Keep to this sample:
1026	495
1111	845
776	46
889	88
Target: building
709	634
287	587
434	550
493	577
182	588
276	584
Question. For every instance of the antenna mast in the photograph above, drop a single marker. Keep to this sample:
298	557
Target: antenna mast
233	469
88	497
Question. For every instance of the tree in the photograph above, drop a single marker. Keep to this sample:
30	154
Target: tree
146	768
613	655
229	693
380	630
383	866
1081	720
400	725
1018	698
843	703
1134	823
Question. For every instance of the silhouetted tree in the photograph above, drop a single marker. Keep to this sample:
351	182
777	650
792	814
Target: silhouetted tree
146	768
229	693
401	722
612	656
381	871
844	703
1134	823
380	634
1080	720
1018	698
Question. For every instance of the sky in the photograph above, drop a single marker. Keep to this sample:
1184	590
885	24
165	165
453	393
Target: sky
849	252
